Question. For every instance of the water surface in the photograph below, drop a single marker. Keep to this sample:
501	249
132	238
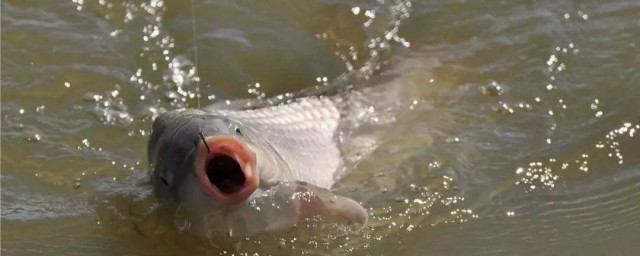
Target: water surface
490	127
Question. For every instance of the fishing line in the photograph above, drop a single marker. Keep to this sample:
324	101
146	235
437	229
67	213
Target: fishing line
195	50
195	59
203	140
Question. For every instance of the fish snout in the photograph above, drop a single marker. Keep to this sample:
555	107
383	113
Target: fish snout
226	169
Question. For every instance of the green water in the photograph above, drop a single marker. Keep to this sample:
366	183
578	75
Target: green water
494	127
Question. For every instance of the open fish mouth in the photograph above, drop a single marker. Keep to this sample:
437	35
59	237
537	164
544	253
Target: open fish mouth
226	169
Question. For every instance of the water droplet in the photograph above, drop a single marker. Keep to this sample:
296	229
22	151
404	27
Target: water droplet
34	138
355	10
492	89
370	14
502	108
453	140
92	97
410	227
18	127
76	183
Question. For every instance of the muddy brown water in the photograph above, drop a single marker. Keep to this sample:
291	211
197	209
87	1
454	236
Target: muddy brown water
493	127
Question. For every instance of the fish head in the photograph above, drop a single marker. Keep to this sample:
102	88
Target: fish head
211	152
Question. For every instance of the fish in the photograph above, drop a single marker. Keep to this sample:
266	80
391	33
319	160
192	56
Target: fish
241	171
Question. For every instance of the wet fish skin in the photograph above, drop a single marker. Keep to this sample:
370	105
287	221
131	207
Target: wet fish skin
172	145
296	158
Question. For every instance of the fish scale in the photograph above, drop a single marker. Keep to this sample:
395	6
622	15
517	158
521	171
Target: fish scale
303	133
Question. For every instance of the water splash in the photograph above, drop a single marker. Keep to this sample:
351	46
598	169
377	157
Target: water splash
108	107
548	174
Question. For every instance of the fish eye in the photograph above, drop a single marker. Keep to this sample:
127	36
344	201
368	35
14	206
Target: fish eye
238	132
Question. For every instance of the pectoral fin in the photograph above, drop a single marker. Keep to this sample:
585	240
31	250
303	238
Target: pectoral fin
320	202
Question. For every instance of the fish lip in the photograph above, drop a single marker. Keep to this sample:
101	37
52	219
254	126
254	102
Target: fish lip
235	148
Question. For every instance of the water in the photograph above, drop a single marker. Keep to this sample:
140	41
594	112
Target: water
493	128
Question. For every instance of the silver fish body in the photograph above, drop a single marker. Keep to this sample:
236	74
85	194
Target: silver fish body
242	172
